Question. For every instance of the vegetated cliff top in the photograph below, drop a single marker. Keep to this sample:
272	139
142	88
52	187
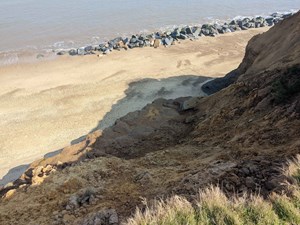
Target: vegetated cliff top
238	138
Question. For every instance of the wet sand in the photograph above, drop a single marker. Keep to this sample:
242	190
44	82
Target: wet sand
46	105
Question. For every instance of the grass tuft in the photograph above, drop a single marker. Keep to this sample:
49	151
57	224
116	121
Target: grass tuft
285	209
215	208
257	211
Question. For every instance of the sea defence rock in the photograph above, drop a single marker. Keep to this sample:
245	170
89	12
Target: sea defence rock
169	37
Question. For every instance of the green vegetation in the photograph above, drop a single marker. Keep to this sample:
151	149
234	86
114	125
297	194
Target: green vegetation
214	208
287	85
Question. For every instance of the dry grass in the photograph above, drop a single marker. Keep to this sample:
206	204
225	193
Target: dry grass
214	208
174	211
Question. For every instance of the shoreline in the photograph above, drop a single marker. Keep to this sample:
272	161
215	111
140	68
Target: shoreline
169	37
166	37
49	103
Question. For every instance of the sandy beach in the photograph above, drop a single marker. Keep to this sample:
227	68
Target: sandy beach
47	104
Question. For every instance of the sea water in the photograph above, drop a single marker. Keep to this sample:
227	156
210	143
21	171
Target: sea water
28	26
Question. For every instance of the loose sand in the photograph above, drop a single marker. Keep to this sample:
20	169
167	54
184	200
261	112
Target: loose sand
46	105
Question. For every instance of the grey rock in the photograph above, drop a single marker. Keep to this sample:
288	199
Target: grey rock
277	20
103	47
209	30
251	25
276	14
133	40
168	41
72	203
196	31
104	217
232	28
143	37
190	103
219	28
244	22
175	33
81	51
270	20
147	43
96	47
61	53
141	43
287	15
126	41
258	24
106	52
206	32
183	31
183	36
227	30
188	30
88	48
113	44
259	19
131	45
233	22
157	35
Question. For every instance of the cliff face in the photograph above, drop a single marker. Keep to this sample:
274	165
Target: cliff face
238	138
278	48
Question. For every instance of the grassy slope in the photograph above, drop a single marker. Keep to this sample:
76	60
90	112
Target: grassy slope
213	207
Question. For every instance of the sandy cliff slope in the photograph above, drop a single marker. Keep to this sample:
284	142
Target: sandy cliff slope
65	99
238	138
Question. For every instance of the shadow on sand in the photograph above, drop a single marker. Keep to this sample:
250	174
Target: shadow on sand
138	94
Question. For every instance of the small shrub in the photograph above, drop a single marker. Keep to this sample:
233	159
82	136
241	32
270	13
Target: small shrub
287	85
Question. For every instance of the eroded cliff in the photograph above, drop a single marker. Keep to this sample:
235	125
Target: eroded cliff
239	138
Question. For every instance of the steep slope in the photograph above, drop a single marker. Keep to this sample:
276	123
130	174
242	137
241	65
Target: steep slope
239	138
275	49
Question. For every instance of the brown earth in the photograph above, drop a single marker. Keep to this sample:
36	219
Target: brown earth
239	138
